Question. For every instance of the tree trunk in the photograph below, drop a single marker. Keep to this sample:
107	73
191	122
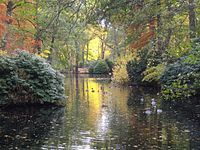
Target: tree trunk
87	57
192	19
38	41
169	30
77	56
103	47
83	56
38	34
116	44
9	8
54	33
159	27
51	48
102	50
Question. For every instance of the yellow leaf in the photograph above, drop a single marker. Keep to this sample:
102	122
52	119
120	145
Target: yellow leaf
46	51
3	52
43	55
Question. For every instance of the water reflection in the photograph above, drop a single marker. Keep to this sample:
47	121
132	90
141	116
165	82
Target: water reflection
28	128
113	117
100	115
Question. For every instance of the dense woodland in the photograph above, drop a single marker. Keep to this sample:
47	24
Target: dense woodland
139	42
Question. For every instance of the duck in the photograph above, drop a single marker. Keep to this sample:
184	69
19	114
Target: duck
159	111
148	111
153	102
93	90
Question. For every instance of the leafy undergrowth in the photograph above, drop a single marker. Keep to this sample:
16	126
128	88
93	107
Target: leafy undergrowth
29	79
181	79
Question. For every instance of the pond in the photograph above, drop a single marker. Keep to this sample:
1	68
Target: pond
100	115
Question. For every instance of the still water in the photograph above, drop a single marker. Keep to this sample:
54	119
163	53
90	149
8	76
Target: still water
100	115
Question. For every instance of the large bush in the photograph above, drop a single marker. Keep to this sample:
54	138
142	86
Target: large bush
181	79
120	74
100	67
27	78
137	66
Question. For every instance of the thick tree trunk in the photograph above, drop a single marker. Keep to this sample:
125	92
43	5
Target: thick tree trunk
192	19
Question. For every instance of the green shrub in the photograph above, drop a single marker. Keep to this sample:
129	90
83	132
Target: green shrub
136	67
153	74
110	65
91	66
120	75
91	70
181	79
27	78
101	67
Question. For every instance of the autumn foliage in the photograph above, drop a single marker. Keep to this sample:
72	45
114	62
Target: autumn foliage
17	31
144	37
3	18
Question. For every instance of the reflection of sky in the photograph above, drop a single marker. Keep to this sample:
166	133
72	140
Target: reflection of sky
103	124
98	117
93	126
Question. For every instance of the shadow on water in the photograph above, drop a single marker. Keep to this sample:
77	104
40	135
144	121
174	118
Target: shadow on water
28	128
100	115
163	129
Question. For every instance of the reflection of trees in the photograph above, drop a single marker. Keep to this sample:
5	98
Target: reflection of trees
117	125
180	131
147	131
24	128
155	130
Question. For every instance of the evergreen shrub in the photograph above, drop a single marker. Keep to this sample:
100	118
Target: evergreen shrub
137	66
29	79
